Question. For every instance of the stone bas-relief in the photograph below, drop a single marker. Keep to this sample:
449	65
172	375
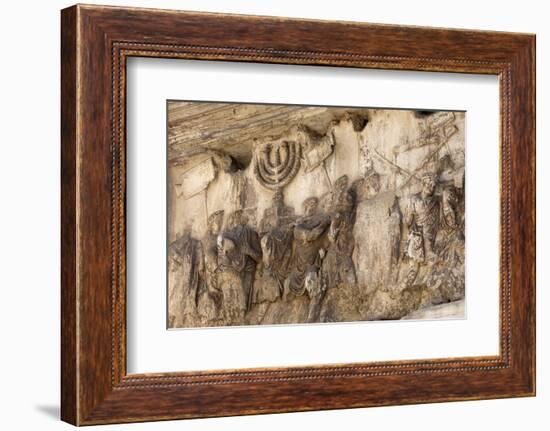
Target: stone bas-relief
300	214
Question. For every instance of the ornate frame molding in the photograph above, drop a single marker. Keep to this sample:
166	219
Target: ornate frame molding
96	41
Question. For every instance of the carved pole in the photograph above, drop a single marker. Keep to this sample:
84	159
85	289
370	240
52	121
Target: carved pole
205	192
324	164
326	175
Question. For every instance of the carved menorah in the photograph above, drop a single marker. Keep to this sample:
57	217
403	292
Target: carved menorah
277	163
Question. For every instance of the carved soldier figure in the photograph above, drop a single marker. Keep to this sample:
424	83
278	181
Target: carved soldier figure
340	198
210	299
186	276
238	253
452	217
450	240
277	262
276	243
435	229
423	220
215	222
338	268
278	215
308	251
367	187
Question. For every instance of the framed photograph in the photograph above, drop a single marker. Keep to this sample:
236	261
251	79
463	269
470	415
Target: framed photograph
263	214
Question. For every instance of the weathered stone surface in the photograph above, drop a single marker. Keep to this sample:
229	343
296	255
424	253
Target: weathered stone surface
450	310
373	252
295	214
196	179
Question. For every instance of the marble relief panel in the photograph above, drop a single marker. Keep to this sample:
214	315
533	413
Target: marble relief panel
283	214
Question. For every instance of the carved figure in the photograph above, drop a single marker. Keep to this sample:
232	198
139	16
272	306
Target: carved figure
239	253
316	148
210	244
277	261
278	215
186	276
338	266
436	233
308	248
340	198
210	299
423	220
450	239
372	184
308	251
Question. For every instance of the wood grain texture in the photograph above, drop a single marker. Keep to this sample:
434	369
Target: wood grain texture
69	397
96	41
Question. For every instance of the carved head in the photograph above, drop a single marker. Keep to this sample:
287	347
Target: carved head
215	222
278	199
372	184
310	206
429	182
237	218
226	245
341	184
249	217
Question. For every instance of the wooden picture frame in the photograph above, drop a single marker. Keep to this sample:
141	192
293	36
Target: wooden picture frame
96	41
